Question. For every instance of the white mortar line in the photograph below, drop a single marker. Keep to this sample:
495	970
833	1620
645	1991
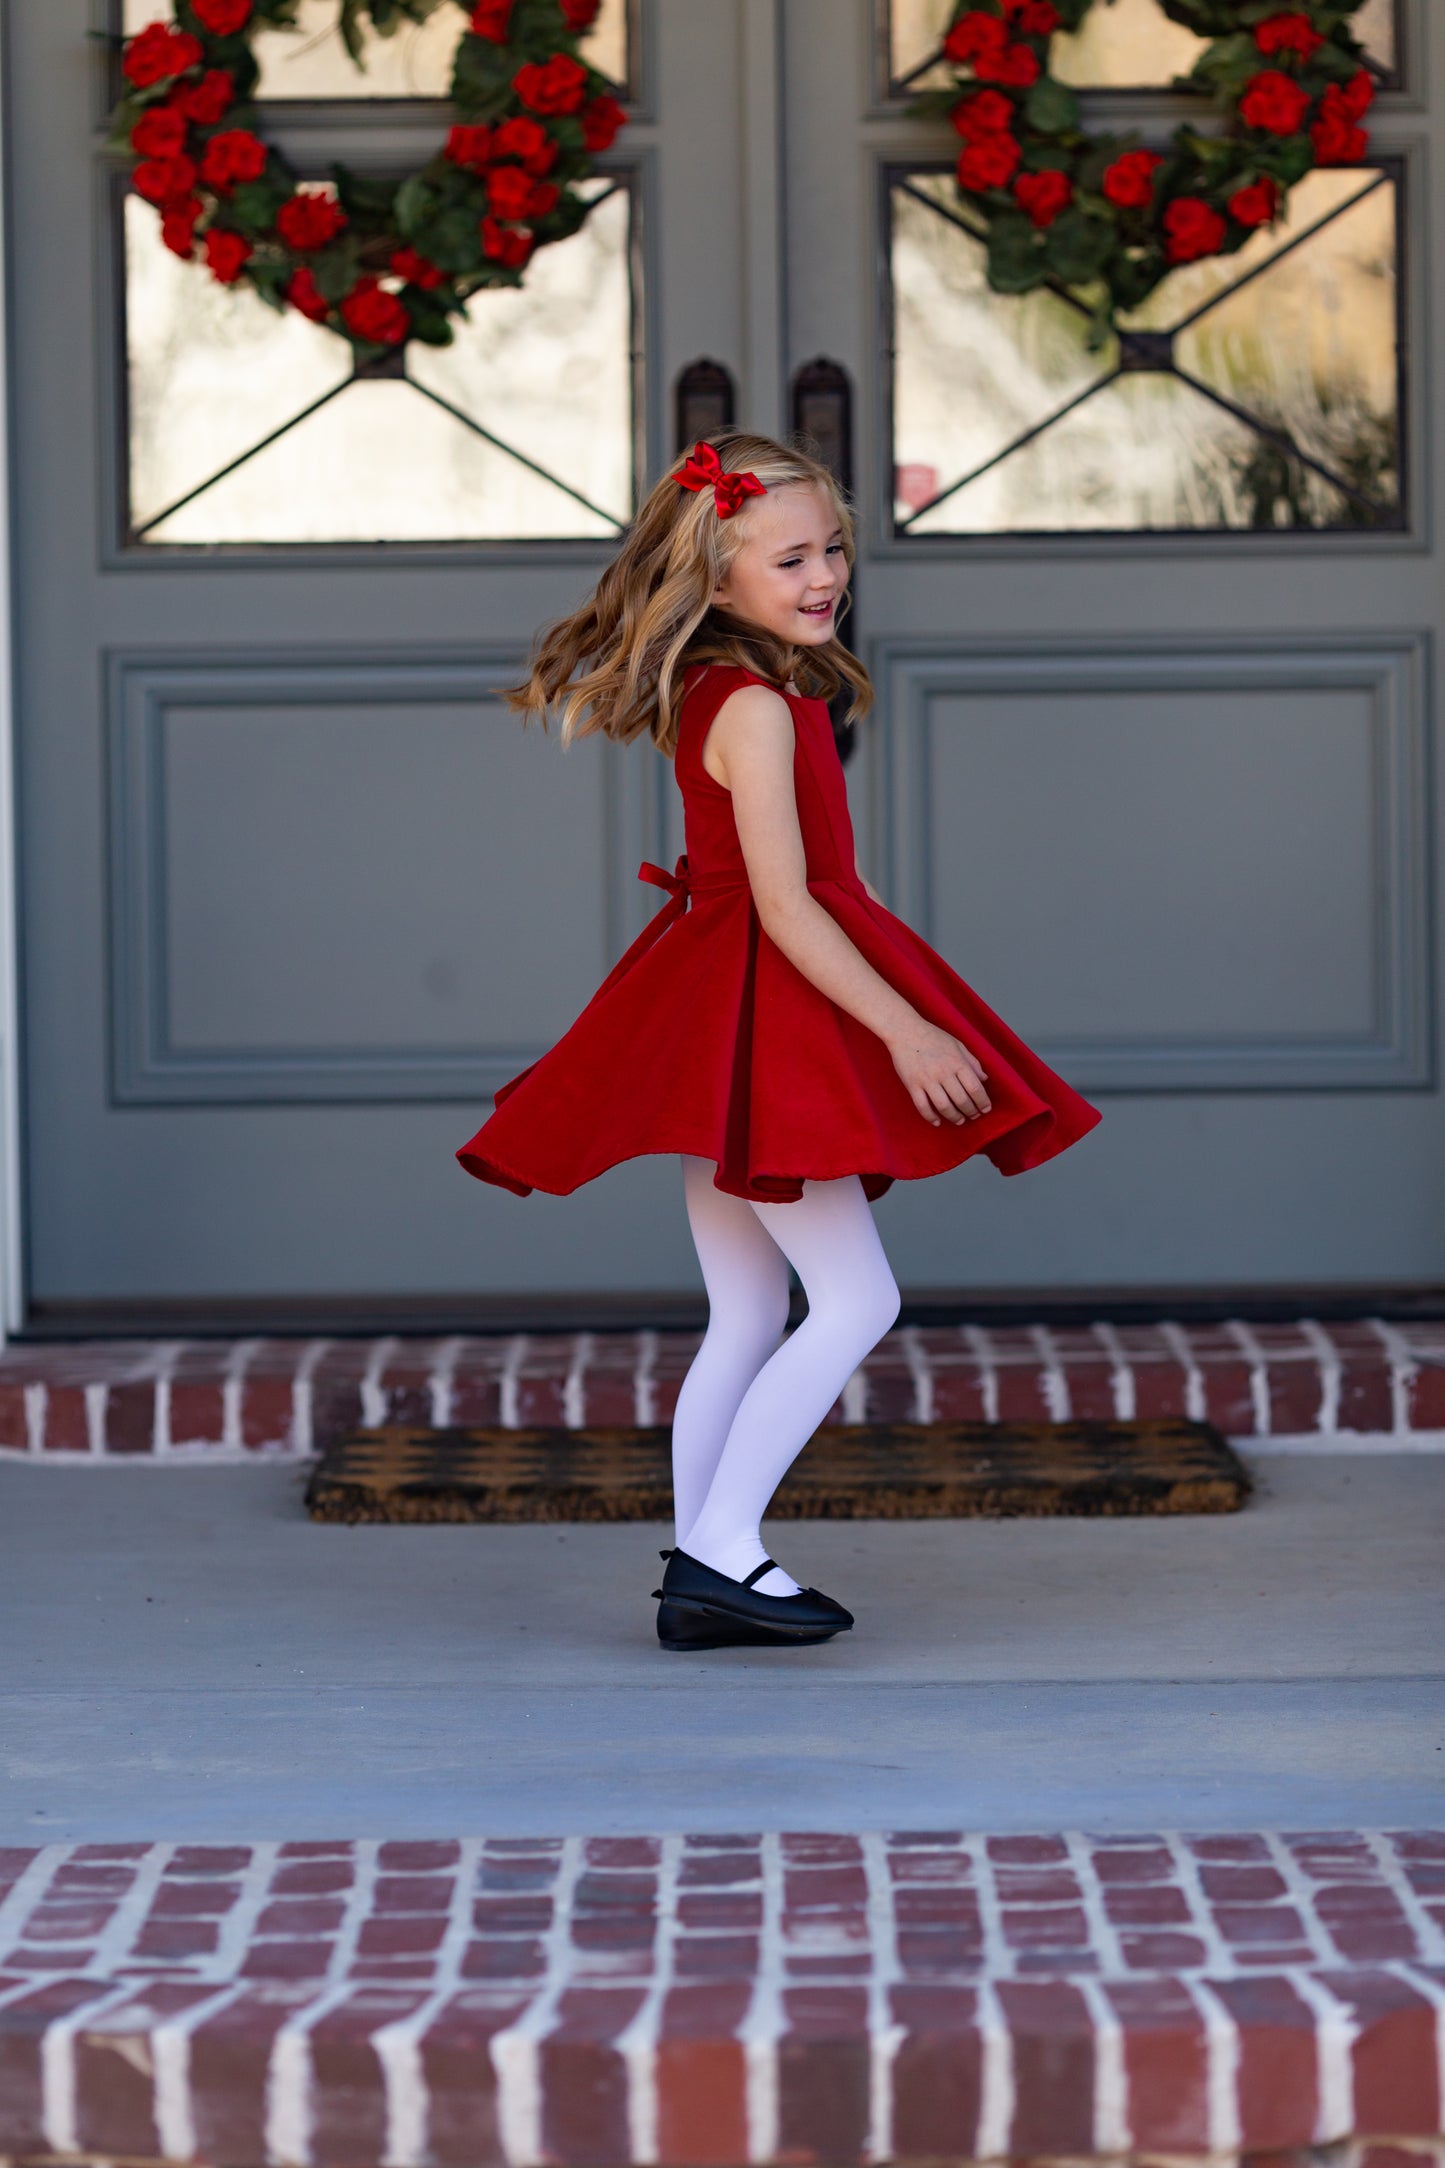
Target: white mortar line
1430	1937
997	1956
1434	1994
172	2102
443	1378
645	1378
762	2024
373	1392
516	1355
1222	2051
303	1397
167	1355
1056	1382
1298	1886
996	2087
97	1397
1254	1354
1111	2078
855	1397
1403	1369
637	2043
60	2107
1331	1372
233	1384
29	1888
516	2049
1220	1956
114	1942
238	1925
37	1400
290	2073
1177	1339
981	1348
1336	2031
574	1388
397	2045
885	2035
1121	1372
1103	1935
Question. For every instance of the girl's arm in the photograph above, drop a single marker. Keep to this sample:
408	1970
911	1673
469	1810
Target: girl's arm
751	743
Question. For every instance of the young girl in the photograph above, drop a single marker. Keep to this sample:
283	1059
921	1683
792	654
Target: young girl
775	1025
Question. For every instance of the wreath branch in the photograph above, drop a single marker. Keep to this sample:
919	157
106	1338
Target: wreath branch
378	261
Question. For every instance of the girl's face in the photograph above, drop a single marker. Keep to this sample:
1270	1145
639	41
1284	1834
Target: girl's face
790	573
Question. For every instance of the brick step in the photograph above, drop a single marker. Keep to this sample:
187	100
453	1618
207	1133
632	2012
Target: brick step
1364	1379
920	1996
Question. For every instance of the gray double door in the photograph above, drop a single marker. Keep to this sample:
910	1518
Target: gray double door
296	891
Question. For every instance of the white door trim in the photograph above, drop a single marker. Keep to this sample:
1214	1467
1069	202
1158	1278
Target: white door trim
11	1183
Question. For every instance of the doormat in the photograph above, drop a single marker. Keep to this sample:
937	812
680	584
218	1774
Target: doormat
849	1471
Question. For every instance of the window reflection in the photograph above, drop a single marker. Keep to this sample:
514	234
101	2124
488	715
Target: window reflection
415	62
1122	45
1005	423
544	369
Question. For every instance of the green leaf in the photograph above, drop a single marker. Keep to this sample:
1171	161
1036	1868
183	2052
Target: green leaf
1015	261
1051	107
336	267
1078	246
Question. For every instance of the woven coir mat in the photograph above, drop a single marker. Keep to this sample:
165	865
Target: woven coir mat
849	1471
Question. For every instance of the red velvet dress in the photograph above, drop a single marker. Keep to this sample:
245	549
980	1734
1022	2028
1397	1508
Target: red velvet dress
705	1039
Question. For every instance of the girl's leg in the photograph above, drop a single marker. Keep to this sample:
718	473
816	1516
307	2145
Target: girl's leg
746	1276
830	1238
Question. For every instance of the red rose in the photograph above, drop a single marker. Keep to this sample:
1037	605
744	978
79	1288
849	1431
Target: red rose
507	245
1288	34
601	119
159	133
1192	228
234	155
223	18
991	162
1033	18
511	193
416	269
178	226
1017	65
986	112
558	85
975	33
524	142
1044	195
580	14
1274	102
1355	97
158	51
309	219
1337	141
490	19
164	180
1255	205
226	254
304	294
374	314
469	147
1129	181
206	101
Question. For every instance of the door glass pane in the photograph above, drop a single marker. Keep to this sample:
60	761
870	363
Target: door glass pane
1280	408
415	62
545	369
1122	45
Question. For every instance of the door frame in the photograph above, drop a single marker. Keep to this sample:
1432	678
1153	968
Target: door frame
12	1196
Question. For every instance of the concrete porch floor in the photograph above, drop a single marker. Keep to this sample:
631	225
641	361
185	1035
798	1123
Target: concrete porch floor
188	1657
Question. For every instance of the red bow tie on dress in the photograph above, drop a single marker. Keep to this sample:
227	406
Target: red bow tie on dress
702	466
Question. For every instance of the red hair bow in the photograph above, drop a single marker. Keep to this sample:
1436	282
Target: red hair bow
702	466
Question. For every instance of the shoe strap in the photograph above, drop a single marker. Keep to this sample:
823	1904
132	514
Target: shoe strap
758	1572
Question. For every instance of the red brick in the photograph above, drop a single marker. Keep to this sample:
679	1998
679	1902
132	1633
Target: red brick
1425	1397
1160	1388
301	1917
1053	2045
286	1961
229	2055
1241	1885
130	1417
421	1858
937	2073
1026	1851
114	2089
413	1892
457	2069
823	2073
267	1411
1296	1391
194	1900
1161	1951
348	2099
505	1957
1018	1885
177	1939
198	1412
1091	1391
623	1851
208	1859
584	2079
1397	2078
1021	1394
313	1878
1047	1927
398	1936
1166	2065
823	1888
14	1419
1277	2083
67	1427
1228	1400
22	2029
702	2076
1259	1923
1154	1864
718	1868
958	1392
1149	1904
720	1908
716	1956
1366	1398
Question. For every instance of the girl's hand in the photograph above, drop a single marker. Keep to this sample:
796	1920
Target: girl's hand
939	1074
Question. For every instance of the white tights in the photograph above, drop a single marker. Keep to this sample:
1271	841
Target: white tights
747	1406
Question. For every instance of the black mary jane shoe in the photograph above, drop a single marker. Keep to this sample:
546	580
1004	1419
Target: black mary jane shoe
685	1629
688	1585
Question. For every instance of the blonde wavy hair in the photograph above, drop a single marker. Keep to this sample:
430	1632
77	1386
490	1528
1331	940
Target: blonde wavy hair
652	612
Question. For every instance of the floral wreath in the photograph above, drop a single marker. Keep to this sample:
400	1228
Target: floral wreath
379	262
1103	213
